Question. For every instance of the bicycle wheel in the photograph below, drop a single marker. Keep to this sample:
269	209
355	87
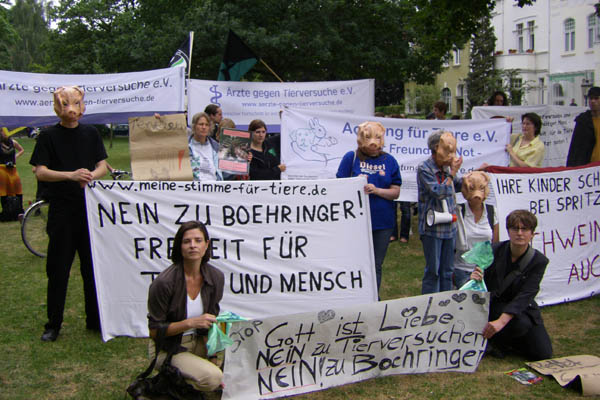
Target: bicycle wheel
33	228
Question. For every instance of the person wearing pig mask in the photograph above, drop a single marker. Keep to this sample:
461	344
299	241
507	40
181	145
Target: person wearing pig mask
475	221
436	183
68	156
383	184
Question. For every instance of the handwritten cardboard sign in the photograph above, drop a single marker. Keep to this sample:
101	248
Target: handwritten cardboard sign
299	353
159	148
567	370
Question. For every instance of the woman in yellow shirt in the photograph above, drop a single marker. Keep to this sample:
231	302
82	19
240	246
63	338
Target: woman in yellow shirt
526	149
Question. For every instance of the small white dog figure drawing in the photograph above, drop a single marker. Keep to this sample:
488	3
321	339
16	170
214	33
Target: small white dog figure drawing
313	144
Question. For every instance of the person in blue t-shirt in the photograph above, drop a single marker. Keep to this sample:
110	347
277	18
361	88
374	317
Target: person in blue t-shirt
383	184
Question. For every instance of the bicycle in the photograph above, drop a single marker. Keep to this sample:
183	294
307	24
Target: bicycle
35	219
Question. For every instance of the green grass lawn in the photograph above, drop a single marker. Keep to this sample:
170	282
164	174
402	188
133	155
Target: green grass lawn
80	366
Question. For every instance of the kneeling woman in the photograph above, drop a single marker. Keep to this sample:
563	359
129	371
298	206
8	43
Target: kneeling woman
183	302
513	279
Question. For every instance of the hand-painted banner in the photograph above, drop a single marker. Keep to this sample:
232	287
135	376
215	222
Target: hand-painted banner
26	98
245	101
300	353
284	247
558	123
314	142
567	206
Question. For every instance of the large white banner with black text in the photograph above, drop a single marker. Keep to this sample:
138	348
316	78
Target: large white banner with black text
26	98
245	101
292	354
567	206
313	143
284	247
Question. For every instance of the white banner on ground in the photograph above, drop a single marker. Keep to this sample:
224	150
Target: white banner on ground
288	355
26	98
558	123
567	206
245	101
314	142
284	247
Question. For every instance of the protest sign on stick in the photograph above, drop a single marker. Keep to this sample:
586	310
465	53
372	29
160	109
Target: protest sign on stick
299	353
159	148
283	246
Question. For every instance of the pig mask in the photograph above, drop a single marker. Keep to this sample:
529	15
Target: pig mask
446	150
370	138
68	103
475	186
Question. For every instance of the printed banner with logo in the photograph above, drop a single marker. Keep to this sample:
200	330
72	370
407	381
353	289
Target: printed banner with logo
245	101
314	142
558	123
566	203
284	247
26	98
300	353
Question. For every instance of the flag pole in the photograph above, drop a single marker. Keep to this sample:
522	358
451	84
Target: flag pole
273	72
190	53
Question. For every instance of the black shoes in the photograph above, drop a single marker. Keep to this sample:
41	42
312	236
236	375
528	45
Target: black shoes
49	335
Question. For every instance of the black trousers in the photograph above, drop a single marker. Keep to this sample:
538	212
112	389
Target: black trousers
68	233
522	334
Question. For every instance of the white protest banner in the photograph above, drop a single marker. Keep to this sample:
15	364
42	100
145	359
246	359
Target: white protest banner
26	98
292	354
558	123
284	247
566	203
314	142
245	101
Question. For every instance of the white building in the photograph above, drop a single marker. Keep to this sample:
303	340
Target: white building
554	43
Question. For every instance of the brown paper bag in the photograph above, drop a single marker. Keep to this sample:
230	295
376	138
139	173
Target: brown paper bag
159	148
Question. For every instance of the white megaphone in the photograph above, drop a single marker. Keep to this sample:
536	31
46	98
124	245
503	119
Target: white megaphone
434	217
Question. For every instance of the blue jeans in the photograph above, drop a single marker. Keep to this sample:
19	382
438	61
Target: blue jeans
439	264
381	240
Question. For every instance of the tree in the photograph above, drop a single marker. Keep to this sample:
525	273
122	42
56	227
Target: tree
8	36
28	17
421	99
483	79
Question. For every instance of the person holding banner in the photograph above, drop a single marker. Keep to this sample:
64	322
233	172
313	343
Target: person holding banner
437	182
585	142
68	156
526	149
513	279
383	185
265	164
183	302
204	150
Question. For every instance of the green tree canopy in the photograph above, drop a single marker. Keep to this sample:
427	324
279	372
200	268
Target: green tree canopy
28	18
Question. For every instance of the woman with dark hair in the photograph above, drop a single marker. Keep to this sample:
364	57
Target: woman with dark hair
265	164
526	149
183	302
513	279
11	192
498	98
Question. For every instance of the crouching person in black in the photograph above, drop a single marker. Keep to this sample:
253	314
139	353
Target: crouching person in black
513	279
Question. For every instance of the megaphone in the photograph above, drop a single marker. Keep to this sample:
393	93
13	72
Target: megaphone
433	217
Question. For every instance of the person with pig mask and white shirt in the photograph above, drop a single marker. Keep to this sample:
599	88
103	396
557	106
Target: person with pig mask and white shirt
383	184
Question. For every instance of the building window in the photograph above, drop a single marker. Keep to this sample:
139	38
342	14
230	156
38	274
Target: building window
593	30
446	62
447	98
530	29
520	47
456	55
558	94
570	34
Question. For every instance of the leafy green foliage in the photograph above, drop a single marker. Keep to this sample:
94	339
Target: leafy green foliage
25	52
8	36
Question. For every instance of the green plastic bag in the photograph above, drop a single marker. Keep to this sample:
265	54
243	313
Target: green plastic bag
217	340
482	255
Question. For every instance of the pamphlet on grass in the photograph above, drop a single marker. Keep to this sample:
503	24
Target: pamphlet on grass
524	376
583	370
234	146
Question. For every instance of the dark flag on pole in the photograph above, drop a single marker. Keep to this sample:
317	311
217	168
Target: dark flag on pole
238	59
182	55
